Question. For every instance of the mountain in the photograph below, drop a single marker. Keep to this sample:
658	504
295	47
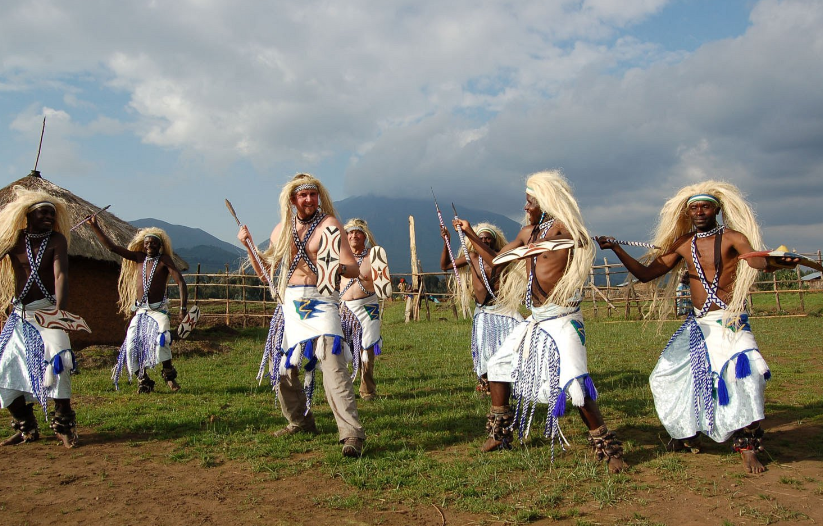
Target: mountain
197	246
388	219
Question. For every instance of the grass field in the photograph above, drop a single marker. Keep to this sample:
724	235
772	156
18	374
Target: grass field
425	427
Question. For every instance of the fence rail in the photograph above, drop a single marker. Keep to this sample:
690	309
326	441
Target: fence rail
237	298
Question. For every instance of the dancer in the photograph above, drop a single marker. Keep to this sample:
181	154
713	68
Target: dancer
35	362
480	280
360	309
144	276
544	360
714	351
307	323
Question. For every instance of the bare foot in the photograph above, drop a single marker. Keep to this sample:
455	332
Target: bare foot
20	437
750	462
68	440
493	445
15	439
616	465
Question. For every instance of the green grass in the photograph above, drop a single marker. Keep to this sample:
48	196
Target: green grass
425	427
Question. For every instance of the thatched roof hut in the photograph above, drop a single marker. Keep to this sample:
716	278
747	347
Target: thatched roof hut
93	269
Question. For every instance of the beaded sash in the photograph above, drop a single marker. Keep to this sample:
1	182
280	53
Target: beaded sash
34	263
710	288
301	244
541	230
360	257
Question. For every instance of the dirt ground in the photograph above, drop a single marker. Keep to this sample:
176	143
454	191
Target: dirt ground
132	481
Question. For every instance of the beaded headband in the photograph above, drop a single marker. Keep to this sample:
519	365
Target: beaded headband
703	197
41	204
358	228
155	236
489	230
305	186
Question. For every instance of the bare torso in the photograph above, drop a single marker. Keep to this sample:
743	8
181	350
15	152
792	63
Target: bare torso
55	254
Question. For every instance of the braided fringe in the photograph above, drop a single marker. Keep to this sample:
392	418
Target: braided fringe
488	332
353	334
35	363
273	353
702	374
143	348
540	359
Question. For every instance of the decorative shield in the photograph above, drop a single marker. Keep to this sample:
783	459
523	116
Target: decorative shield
533	249
783	252
188	323
328	261
380	272
60	319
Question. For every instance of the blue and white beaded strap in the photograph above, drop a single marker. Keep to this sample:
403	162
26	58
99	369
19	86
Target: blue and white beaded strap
710	288
34	264
147	281
301	244
485	279
543	229
360	257
701	375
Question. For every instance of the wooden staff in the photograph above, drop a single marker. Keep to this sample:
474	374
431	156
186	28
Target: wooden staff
255	255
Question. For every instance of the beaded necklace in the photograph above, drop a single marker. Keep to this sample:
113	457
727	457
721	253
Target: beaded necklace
539	232
315	220
710	288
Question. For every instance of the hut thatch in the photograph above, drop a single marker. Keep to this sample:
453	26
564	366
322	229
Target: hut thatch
93	269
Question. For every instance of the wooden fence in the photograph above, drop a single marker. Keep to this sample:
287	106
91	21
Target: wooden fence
609	292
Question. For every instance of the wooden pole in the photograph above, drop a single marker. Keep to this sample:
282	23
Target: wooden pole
800	289
776	294
227	294
196	282
245	310
594	297
608	283
413	248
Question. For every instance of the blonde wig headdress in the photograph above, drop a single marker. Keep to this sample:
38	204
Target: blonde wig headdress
674	222
356	223
130	283
466	292
281	249
13	219
554	196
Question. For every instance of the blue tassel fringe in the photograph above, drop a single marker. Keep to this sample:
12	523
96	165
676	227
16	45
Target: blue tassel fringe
742	368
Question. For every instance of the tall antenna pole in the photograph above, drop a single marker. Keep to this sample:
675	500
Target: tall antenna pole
42	132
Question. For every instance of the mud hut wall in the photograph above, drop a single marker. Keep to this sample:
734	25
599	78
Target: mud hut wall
93	295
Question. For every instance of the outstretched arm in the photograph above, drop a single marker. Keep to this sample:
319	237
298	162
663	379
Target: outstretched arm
645	273
109	244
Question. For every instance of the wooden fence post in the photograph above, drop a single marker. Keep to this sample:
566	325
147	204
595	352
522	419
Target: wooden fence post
608	284
245	310
776	294
227	295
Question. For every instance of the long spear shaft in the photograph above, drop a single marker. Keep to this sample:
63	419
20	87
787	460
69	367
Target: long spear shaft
631	243
448	245
482	271
75	227
255	255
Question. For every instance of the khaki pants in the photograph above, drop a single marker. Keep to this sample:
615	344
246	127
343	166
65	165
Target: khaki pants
367	386
339	393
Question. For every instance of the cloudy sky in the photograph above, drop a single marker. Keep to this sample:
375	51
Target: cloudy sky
163	109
